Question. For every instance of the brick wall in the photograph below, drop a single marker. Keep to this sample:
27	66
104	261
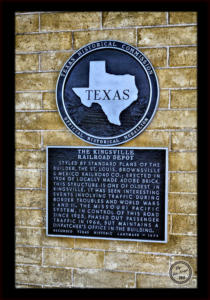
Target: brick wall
44	41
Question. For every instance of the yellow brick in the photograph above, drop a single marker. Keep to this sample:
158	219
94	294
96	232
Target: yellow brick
41	275
36	81
182	161
184	99
56	241
43	179
182	203
157	56
70	21
167	36
27	23
177	244
26	62
28	236
106	245
174	120
152	281
64	138
192	261
82	38
132	18
103	279
184	224
177	78
39	120
30	198
136	262
150	139
29	217
30	160
164	97
182	17
183	182
28	255
49	101
28	286
73	258
184	141
54	61
28	101
186	56
28	178
44	42
28	140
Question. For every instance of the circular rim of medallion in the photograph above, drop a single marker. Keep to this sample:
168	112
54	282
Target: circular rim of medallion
117	139
172	275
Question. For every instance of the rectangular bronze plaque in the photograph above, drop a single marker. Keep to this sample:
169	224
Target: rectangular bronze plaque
113	193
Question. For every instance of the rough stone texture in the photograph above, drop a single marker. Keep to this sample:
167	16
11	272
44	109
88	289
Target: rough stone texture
70	21
182	161
56	241
152	281
184	224
54	61
27	178
163	99
182	203
167	36
110	245
28	255
30	198
36	81
192	261
42	275
150	139
28	236
132	18
174	120
103	279
27	23
182	17
177	78
177	244
82	38
44	42
184	99
184	140
28	286
183	182
186	56
30	160
24	101
27	140
64	138
157	56
136	262
29	217
39	120
26	62
49	101
74	258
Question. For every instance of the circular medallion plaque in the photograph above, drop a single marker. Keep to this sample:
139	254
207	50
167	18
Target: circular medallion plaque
107	93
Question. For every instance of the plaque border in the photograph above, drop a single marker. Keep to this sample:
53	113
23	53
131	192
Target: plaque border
105	238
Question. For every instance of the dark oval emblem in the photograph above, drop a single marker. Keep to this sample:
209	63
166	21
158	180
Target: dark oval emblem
107	93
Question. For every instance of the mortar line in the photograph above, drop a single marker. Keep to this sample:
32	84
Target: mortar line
167	18
39	23
101	20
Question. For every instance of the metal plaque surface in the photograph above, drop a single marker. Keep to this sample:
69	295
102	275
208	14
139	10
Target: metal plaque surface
107	93
107	193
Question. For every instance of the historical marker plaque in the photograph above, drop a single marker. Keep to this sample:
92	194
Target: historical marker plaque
107	193
107	92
